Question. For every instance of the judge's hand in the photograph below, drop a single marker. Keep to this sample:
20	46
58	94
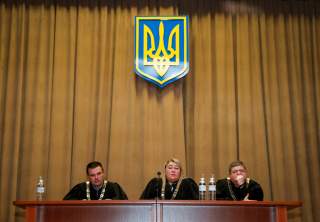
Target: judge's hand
239	180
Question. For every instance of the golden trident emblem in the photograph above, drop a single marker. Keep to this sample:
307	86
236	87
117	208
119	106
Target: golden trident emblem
160	58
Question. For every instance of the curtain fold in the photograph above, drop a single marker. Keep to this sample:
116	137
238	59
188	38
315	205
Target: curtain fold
69	95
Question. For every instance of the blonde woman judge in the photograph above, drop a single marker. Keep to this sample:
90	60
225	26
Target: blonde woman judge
171	186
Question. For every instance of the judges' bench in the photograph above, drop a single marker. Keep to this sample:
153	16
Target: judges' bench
156	211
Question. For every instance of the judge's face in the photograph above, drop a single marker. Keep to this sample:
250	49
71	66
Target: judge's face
238	175
96	176
173	172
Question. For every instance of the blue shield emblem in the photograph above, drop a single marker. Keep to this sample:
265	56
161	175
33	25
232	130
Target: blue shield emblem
161	48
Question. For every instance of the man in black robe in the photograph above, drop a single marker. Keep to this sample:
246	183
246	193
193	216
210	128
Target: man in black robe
96	188
238	186
174	187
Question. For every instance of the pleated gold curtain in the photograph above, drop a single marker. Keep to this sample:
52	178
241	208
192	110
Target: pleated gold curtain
69	95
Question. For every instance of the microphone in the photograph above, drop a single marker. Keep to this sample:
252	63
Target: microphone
158	174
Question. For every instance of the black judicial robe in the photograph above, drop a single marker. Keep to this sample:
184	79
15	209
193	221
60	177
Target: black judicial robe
113	191
253	189
188	190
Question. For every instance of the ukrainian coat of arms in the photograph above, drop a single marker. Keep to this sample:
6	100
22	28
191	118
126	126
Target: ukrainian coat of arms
161	48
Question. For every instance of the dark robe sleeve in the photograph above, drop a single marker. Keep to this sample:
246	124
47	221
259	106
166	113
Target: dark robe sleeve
188	190
255	191
118	192
152	189
78	192
222	192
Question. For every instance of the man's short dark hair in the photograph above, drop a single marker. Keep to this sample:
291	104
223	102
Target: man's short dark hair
93	165
235	164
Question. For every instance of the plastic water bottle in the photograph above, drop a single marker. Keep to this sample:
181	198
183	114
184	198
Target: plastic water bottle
40	189
212	188
202	189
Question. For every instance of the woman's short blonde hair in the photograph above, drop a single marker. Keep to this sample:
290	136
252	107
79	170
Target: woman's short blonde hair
174	160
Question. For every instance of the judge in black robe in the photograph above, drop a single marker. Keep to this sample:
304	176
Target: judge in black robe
238	186
96	188
188	190
113	191
226	190
173	187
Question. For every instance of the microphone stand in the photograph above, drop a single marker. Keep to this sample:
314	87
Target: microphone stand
157	191
158	184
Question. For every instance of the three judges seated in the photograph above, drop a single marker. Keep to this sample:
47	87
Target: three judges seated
171	186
